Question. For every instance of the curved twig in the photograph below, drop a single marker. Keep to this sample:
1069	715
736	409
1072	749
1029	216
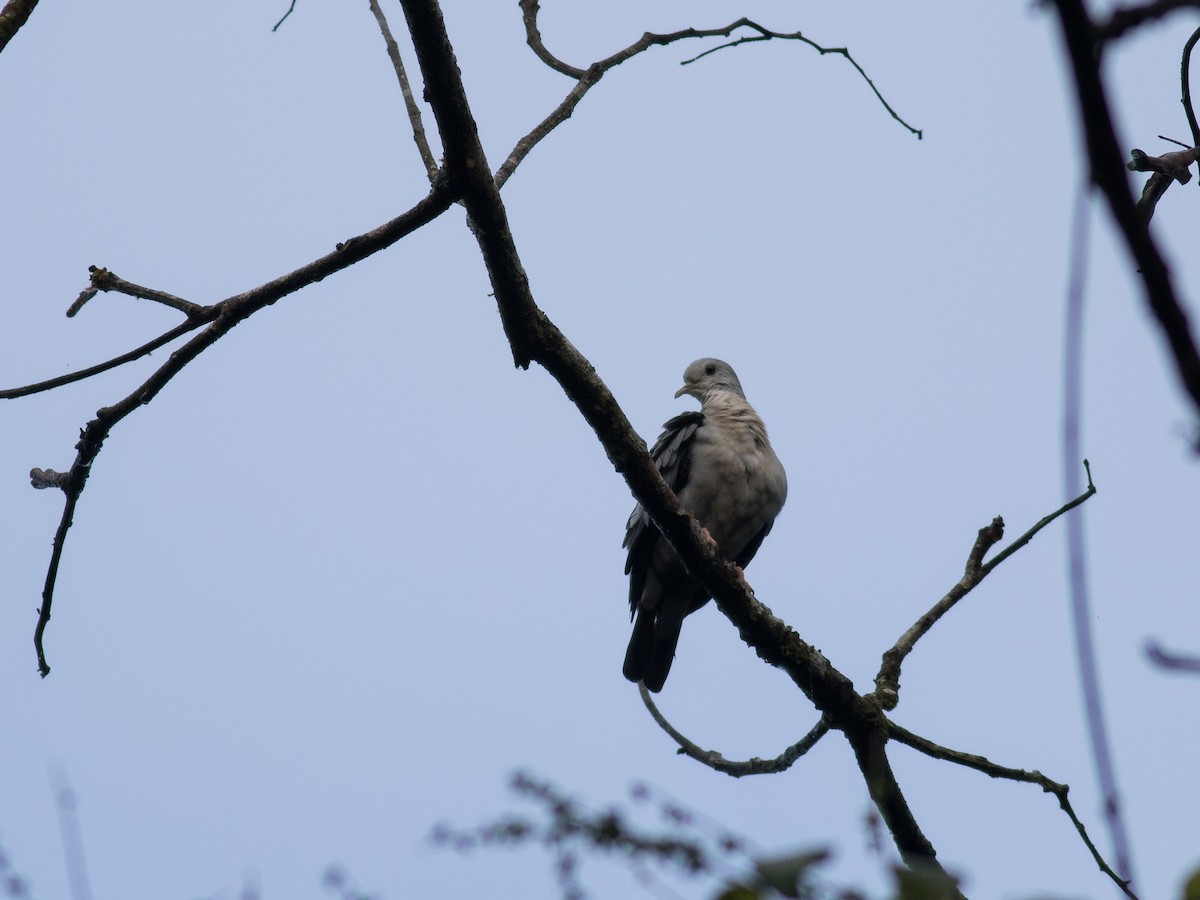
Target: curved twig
70	378
765	35
593	73
982	764
104	280
752	766
1108	174
1164	659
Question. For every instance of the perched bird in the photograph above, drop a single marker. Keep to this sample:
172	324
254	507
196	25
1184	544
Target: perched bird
721	466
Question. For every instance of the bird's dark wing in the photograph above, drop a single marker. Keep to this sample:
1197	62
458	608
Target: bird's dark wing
672	454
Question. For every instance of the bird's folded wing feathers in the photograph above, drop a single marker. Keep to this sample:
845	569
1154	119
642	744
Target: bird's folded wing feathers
672	457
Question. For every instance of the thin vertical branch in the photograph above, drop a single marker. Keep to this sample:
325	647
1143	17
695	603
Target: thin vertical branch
72	836
1085	649
410	103
1186	87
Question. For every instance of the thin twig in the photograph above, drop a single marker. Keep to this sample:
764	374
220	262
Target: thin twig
1124	19
765	35
1176	661
72	836
752	766
1085	649
533	337
134	354
1042	523
1185	82
593	73
982	764
560	114
410	103
285	15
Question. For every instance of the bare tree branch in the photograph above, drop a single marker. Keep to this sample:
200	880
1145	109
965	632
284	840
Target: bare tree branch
533	36
72	835
137	353
104	280
981	764
228	313
560	114
1185	80
290	10
1108	174
414	111
752	766
1176	661
887	682
15	14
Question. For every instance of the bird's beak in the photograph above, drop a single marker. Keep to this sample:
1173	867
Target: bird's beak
686	389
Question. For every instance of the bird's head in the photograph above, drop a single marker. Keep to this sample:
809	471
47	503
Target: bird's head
708	376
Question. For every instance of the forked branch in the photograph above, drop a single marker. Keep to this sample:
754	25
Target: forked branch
587	77
887	682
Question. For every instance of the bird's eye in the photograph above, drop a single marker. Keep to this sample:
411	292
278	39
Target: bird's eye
710	369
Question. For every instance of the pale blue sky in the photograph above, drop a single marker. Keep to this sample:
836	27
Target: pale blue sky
351	569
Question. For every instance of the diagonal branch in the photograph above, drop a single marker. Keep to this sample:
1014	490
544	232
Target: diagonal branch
887	682
15	14
70	378
982	764
410	104
752	766
228	313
